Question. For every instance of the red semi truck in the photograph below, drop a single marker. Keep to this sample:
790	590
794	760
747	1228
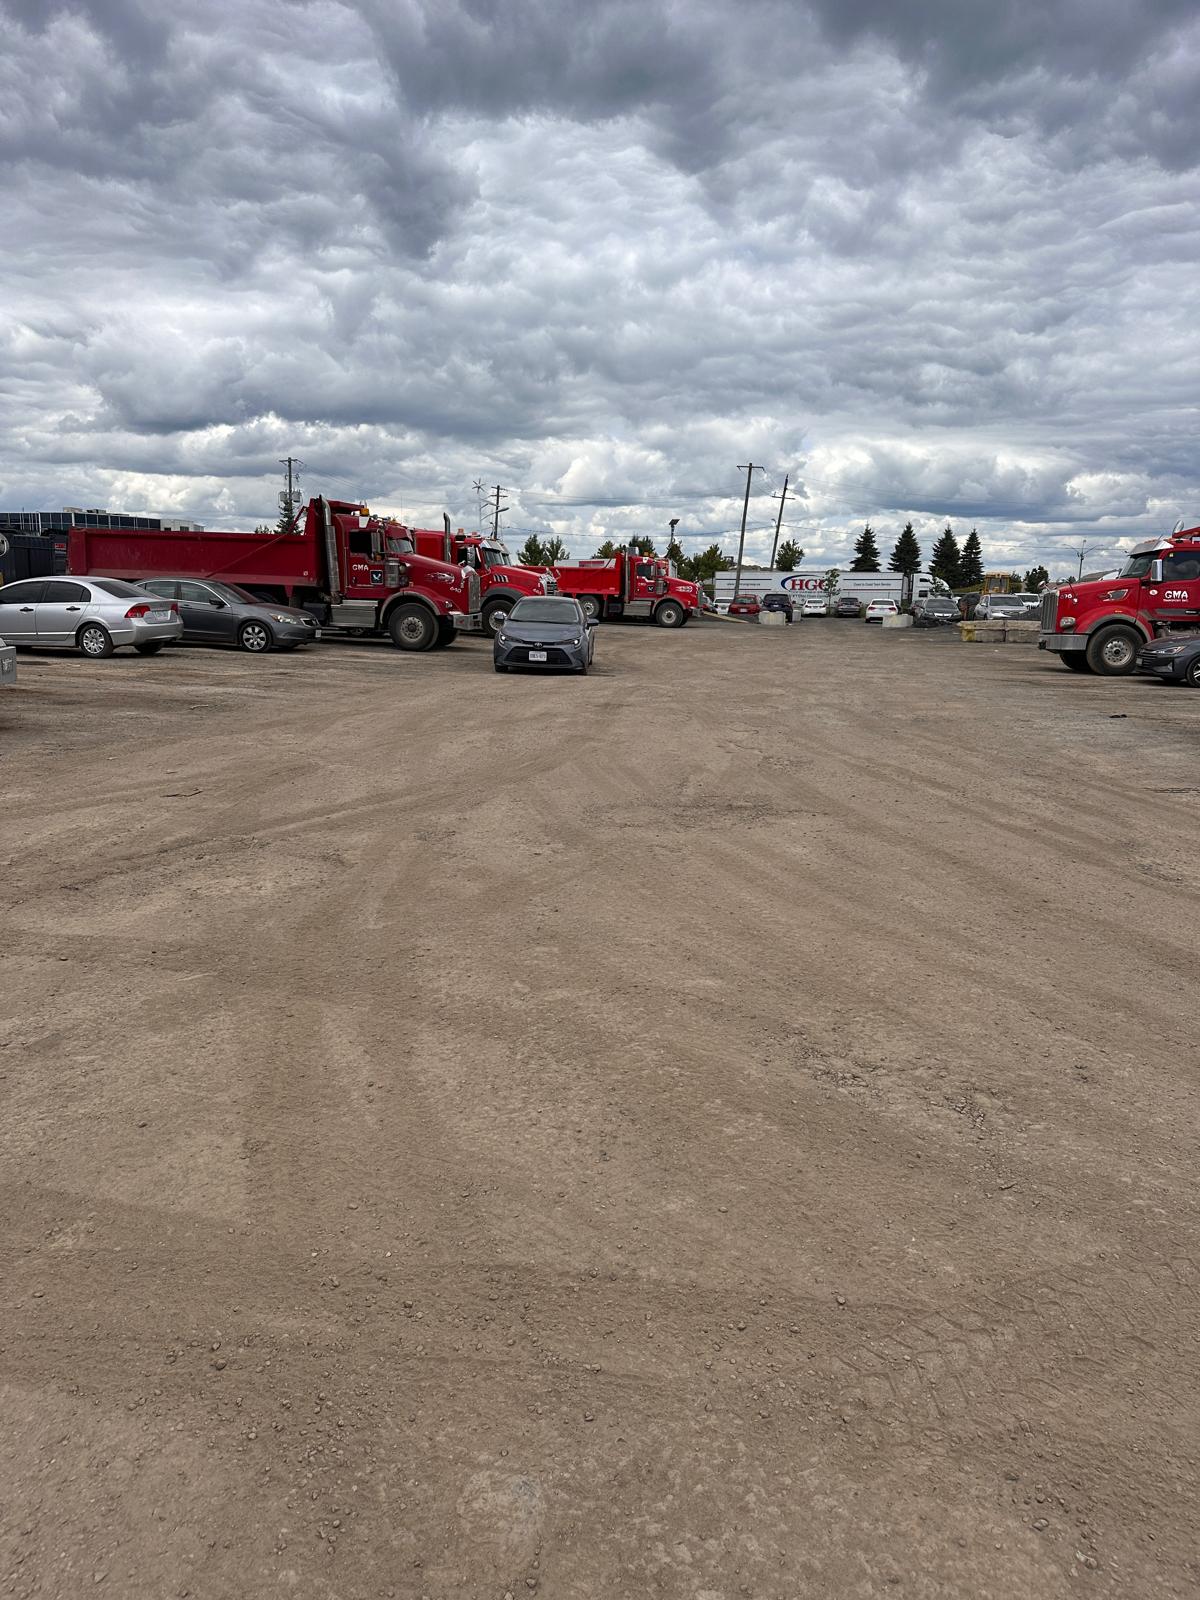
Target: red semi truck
501	581
1101	626
630	584
353	571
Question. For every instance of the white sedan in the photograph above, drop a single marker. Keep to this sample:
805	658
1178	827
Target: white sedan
878	609
814	606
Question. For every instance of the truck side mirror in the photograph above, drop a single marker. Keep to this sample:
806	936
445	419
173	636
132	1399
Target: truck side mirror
1156	572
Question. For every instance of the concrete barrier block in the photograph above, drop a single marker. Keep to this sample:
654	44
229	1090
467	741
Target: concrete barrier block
772	619
902	621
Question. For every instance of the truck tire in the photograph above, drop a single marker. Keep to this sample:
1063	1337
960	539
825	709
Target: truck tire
1075	659
412	628
446	633
592	606
1113	652
670	615
495	616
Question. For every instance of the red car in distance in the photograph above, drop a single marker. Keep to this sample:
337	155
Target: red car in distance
744	605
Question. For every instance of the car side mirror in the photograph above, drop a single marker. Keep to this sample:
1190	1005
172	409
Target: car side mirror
593	622
217	605
1156	572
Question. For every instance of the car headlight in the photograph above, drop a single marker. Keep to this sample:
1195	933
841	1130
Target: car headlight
278	616
502	638
1168	649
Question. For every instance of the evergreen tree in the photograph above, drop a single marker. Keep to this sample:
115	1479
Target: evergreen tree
675	553
645	546
970	569
606	551
530	553
711	561
906	556
552	550
946	561
789	556
866	551
1036	579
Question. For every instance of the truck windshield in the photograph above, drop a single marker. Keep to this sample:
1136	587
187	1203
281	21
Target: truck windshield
1138	566
399	547
493	558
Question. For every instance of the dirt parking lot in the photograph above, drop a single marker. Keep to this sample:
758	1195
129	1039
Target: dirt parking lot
723	1127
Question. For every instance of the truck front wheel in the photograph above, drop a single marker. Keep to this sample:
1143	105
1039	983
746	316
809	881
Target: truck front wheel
1075	659
1113	652
670	615
413	628
495	616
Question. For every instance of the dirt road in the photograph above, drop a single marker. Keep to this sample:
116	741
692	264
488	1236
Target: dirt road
723	1127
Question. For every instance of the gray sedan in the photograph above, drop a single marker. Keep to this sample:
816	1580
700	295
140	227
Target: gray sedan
221	613
545	631
94	615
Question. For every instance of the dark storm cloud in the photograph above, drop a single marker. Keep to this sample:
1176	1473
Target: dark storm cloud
938	257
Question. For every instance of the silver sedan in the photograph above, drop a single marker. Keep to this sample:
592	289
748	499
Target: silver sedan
94	615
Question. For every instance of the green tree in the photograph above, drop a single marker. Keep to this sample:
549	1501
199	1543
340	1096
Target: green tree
906	556
711	561
674	552
263	527
645	546
866	551
946	561
970	568
789	556
606	551
1036	579
531	554
831	581
552	550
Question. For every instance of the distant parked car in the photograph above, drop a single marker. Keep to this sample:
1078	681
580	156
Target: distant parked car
545	631
878	609
222	613
935	611
847	605
1007	607
815	605
1175	659
94	615
777	600
744	605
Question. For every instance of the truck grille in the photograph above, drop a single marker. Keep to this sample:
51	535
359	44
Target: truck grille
1049	611
549	583
472	591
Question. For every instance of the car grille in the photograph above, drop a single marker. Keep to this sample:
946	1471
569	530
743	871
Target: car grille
554	657
1049	612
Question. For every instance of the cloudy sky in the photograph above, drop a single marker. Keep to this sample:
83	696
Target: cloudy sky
936	260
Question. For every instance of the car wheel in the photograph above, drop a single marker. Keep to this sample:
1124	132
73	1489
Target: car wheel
1076	660
255	637
1113	652
670	615
151	648
591	606
412	628
94	641
1191	675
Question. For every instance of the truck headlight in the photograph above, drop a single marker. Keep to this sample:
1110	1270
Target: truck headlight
1067	624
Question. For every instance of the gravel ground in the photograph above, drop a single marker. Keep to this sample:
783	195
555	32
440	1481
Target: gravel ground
726	1126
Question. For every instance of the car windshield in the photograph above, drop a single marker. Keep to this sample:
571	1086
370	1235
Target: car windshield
230	591
118	589
564	612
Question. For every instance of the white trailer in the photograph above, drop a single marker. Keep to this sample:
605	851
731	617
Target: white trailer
805	582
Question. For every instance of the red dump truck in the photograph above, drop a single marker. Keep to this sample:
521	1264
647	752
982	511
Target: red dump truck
501	581
630	584
353	571
1101	626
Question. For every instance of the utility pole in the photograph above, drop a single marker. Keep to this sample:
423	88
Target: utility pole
778	522
478	488
749	469
289	462
496	510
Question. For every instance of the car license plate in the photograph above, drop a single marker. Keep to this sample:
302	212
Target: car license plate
537	655
158	616
316	633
